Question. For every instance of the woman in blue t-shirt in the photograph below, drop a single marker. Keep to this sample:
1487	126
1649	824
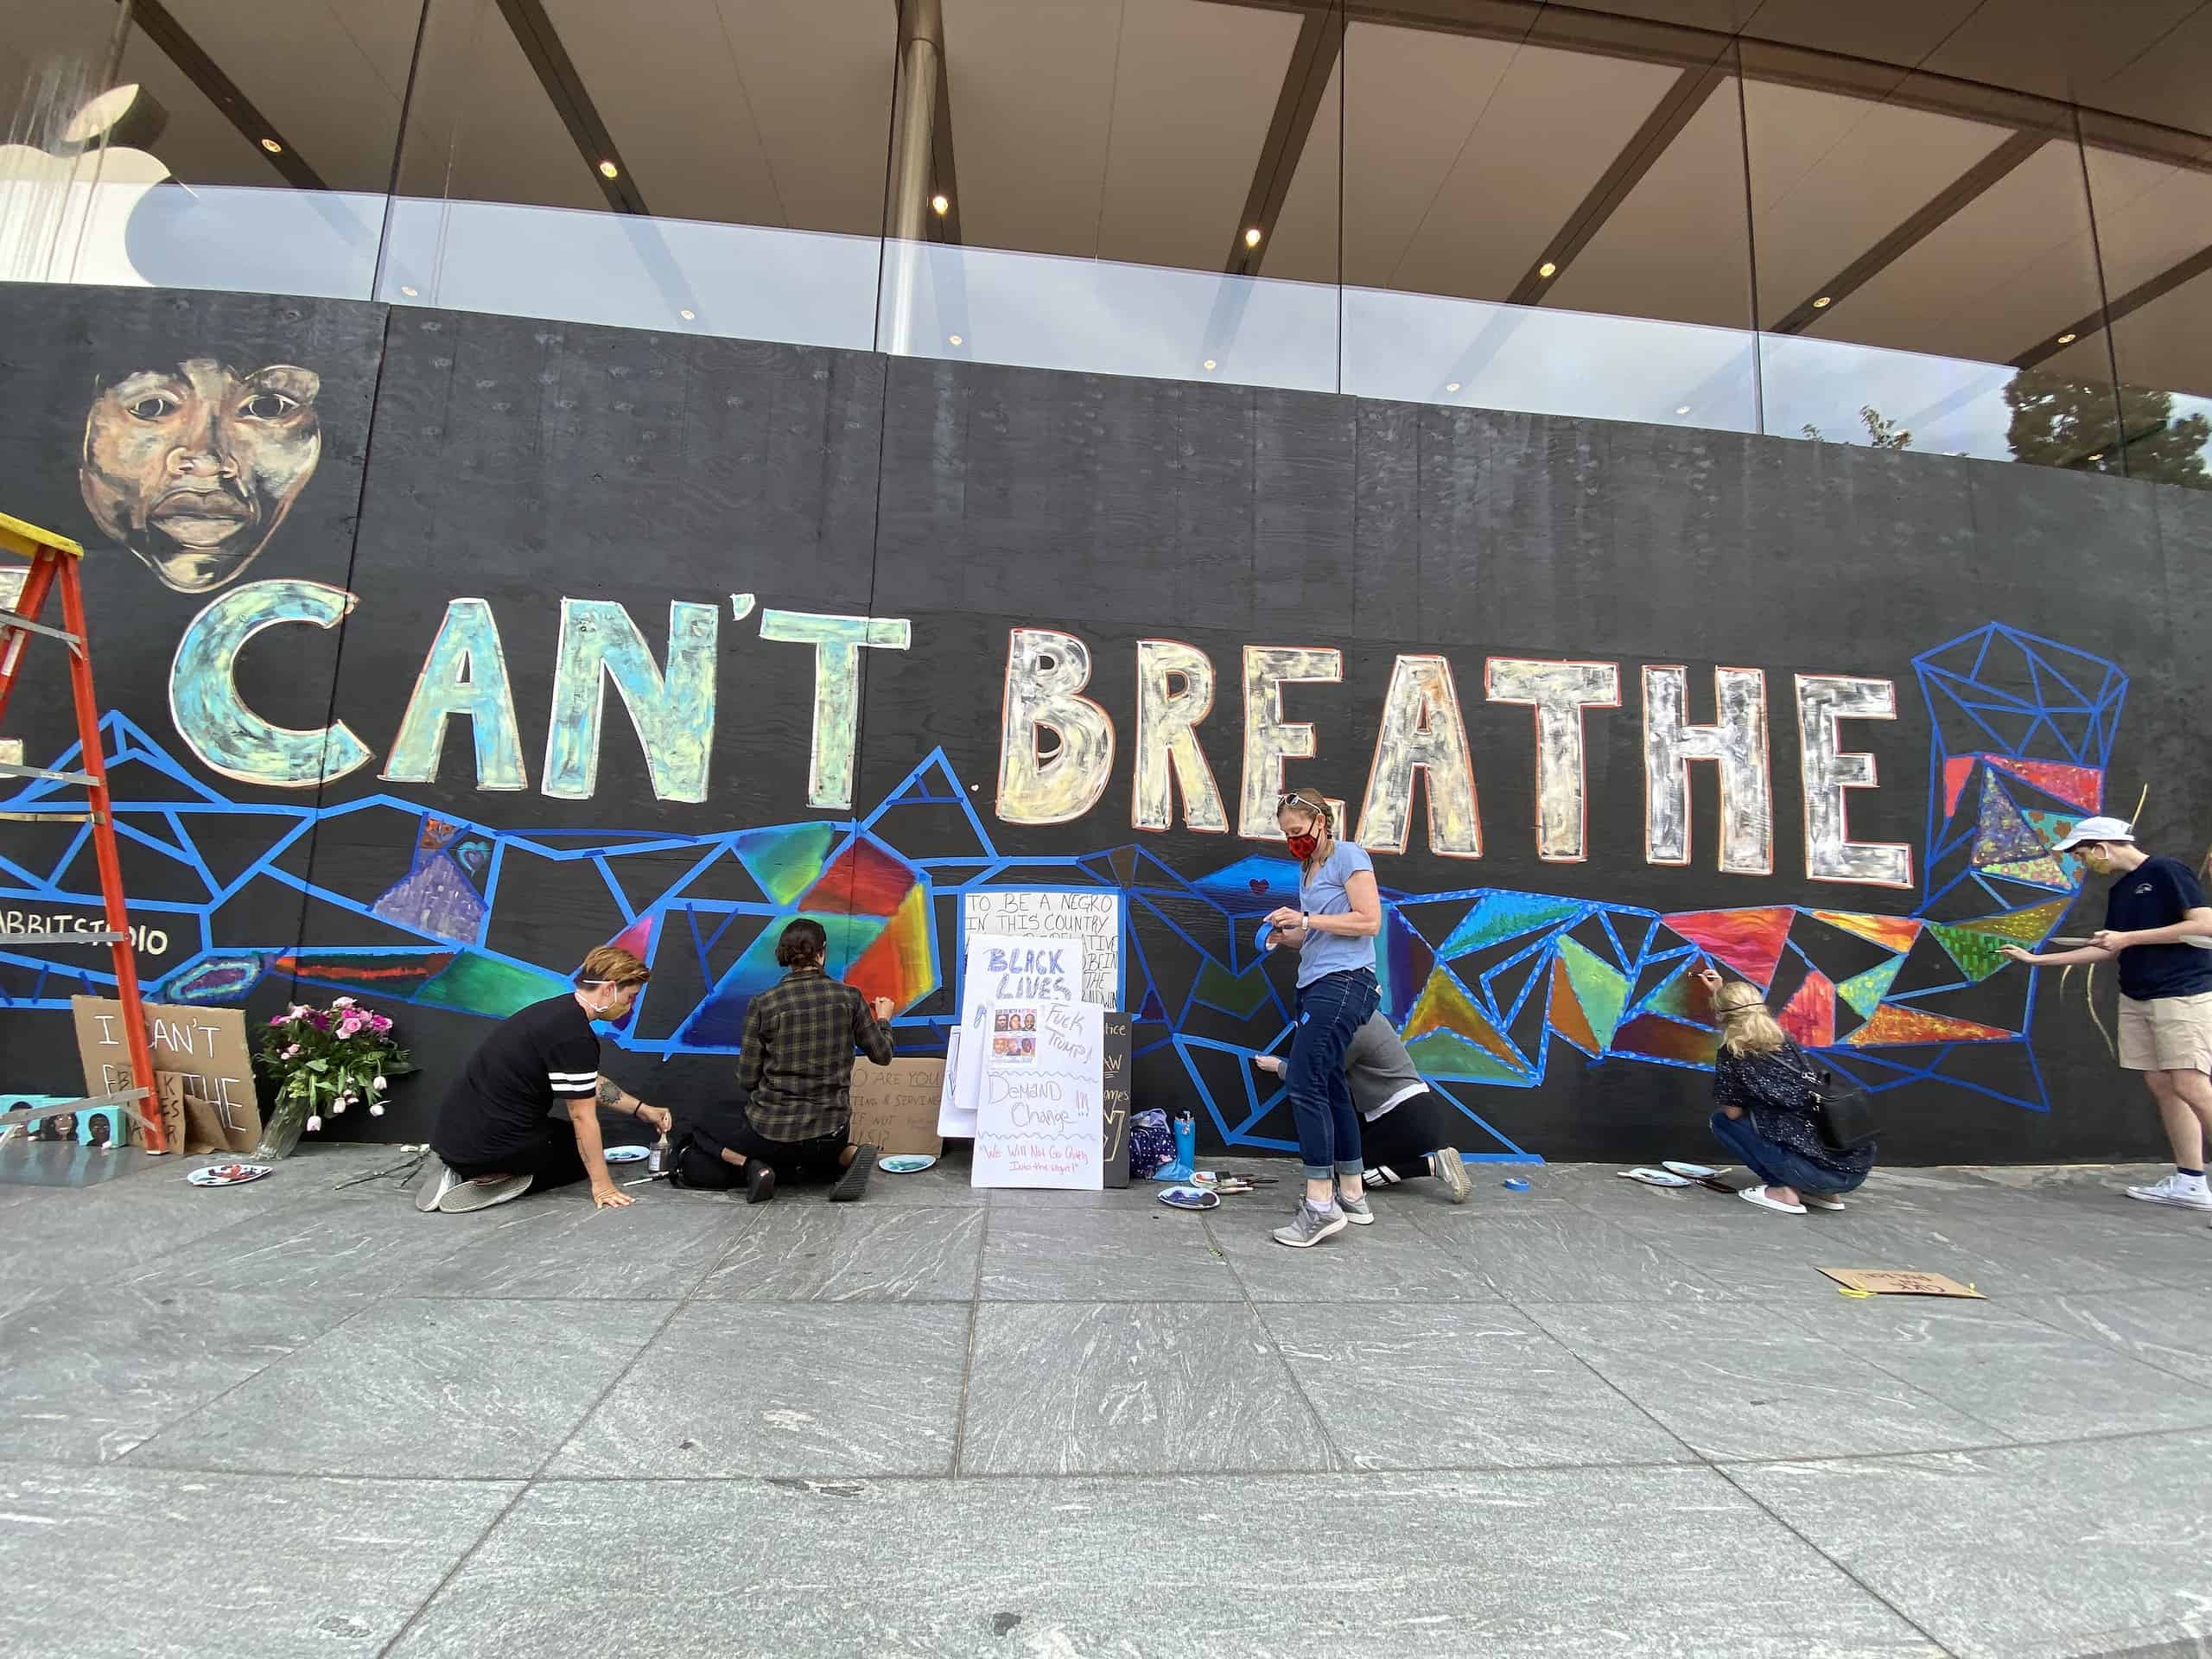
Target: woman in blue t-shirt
1339	914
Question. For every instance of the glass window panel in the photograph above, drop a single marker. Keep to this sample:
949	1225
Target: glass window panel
1147	188
1472	161
1918	251
2154	236
192	192
746	140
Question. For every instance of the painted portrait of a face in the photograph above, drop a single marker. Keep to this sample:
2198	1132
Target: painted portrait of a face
194	468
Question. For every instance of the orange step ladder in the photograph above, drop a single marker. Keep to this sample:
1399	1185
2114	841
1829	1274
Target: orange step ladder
53	562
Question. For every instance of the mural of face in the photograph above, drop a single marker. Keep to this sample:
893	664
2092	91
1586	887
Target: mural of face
193	468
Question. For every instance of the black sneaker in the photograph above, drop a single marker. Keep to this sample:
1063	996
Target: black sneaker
759	1182
853	1184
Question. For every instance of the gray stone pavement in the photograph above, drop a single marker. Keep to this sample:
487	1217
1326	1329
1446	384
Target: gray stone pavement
297	1418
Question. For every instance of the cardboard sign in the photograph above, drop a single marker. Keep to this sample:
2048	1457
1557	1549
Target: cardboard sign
1114	1079
199	1052
895	1106
1040	1119
1088	917
995	967
1900	1281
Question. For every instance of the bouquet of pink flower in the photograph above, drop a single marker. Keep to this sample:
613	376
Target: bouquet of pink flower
330	1059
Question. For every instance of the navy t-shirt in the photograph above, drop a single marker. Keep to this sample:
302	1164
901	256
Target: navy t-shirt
2157	893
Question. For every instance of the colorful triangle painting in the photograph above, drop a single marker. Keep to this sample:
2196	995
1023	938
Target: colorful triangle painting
2046	872
2003	834
2053	827
1957	768
1443	1006
1750	941
1980	954
1893	1024
1600	988
1809	1016
1864	992
2081	787
2019	926
1567	1016
1890	932
1501	916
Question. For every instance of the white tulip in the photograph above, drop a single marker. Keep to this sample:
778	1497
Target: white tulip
375	1109
379	1084
314	1123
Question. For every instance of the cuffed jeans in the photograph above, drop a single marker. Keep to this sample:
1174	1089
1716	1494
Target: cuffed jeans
1329	1011
1775	1165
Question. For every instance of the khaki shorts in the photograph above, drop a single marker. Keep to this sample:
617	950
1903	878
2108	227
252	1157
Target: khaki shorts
2166	1033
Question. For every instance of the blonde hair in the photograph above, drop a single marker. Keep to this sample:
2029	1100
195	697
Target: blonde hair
610	964
1746	1026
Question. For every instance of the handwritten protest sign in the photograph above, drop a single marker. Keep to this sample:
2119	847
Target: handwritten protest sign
1089	916
994	968
1040	1120
1899	1281
200	1056
895	1106
1114	1077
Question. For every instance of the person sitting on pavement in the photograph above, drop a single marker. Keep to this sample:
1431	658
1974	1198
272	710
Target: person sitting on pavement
497	1134
1762	1085
796	1070
1407	1127
2159	927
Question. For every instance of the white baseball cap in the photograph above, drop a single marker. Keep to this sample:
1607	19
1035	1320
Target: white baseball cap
2096	829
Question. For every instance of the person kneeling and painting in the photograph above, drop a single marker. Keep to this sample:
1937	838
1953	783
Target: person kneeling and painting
1763	1086
796	1070
498	1135
1407	1129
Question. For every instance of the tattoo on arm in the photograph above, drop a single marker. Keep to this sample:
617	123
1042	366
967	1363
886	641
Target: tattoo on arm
610	1094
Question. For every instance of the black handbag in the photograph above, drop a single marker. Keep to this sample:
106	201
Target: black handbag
1841	1111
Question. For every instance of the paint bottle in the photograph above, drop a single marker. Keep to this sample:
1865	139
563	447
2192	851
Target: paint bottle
657	1161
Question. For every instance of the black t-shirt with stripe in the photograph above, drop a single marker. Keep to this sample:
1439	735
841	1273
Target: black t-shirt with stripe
499	1103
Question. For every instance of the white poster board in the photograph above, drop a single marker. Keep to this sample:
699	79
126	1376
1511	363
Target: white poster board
998	967
1089	916
1041	1116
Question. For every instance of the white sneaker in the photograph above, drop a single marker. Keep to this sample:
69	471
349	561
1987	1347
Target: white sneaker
2175	1189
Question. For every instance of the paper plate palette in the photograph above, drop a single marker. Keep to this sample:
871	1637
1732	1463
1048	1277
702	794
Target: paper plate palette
905	1163
1691	1171
228	1174
1189	1198
627	1154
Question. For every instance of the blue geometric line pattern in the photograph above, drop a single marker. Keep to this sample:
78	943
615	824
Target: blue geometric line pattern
1479	980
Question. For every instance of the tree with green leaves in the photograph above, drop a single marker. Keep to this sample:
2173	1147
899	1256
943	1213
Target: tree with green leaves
2057	421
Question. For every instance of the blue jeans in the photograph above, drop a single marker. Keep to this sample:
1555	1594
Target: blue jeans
1775	1165
1329	1011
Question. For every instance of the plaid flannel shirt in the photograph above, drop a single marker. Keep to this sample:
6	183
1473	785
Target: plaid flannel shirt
796	1065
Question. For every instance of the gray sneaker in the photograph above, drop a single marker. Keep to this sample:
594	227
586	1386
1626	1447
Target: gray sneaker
465	1196
1310	1226
1356	1211
436	1181
1451	1169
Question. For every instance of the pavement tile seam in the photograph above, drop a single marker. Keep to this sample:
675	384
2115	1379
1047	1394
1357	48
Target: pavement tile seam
968	1355
258	1372
1340	1458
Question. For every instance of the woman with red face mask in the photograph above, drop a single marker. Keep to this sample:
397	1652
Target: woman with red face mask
1339	914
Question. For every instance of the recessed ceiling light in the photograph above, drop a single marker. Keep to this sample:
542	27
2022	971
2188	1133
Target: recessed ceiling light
1451	385
955	339
940	204
607	169
2066	339
1252	237
688	316
408	291
1209	363
1682	409
272	147
1547	269
1823	302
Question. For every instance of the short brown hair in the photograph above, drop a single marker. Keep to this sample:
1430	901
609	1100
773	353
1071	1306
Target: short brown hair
610	964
